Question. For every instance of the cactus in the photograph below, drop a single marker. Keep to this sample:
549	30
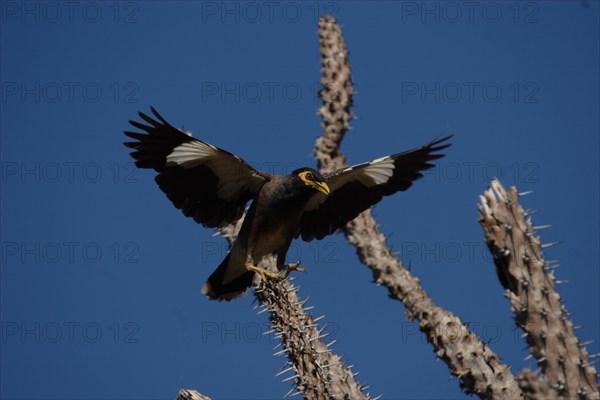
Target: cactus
531	288
317	372
522	270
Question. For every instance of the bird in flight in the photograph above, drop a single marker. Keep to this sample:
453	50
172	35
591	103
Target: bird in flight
213	186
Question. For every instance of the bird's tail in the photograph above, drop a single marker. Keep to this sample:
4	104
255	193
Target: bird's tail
230	280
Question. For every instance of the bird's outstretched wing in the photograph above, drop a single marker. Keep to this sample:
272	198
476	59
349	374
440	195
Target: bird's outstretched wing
354	189
208	184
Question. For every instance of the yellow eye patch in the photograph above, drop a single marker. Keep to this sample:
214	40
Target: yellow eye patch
307	177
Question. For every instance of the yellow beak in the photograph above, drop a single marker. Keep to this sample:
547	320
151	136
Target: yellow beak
321	187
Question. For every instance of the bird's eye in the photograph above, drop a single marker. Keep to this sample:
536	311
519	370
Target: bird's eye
309	176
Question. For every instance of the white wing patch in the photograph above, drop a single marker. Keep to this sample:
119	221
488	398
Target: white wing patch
232	173
190	154
380	170
376	172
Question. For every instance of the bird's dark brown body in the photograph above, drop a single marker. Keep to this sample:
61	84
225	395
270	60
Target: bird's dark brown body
213	186
280	210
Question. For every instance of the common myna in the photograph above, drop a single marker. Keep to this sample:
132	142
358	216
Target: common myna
213	186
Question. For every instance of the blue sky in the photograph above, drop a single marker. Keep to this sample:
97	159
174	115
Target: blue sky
101	275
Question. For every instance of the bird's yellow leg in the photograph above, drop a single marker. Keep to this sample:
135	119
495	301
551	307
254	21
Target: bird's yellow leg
264	273
293	267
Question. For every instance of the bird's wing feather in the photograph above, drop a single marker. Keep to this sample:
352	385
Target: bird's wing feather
208	184
356	188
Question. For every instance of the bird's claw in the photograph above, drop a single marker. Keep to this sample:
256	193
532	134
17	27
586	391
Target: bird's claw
293	267
264	273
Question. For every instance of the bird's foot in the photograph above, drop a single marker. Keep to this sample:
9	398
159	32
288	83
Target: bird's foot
293	267
264	273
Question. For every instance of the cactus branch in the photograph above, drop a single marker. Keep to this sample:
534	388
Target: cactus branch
539	311
317	372
477	366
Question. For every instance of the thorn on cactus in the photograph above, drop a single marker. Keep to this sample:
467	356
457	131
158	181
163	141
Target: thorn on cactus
546	245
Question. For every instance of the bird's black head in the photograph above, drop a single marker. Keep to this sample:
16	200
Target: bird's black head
311	178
